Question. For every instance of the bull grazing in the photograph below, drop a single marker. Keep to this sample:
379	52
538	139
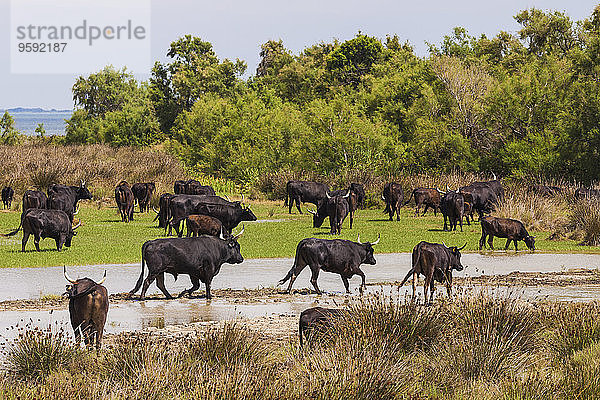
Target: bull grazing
342	257
7	196
435	262
125	201
453	208
203	225
511	229
336	207
231	214
393	195
305	192
427	197
142	193
88	307
65	198
34	199
199	257
43	224
317	320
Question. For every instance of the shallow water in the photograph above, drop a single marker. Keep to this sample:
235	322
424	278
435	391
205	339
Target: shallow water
31	283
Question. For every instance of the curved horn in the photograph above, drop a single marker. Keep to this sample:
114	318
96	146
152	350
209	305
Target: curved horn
154	209
377	241
465	245
327	194
383	198
444	244
311	211
76	210
227	198
241	232
347	195
103	278
358	239
221	234
67	276
78	225
242	198
440	191
494	175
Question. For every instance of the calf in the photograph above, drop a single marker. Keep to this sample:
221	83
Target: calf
427	197
7	196
436	262
317	320
510	229
88	307
203	225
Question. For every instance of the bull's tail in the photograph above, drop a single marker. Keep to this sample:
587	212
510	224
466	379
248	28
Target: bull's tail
288	276
409	197
141	278
13	233
412	270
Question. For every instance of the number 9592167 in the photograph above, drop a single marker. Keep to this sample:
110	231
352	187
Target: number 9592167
26	47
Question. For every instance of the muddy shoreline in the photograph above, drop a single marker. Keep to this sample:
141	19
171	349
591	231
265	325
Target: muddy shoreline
572	277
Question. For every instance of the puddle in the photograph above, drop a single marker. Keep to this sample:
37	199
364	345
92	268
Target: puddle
32	283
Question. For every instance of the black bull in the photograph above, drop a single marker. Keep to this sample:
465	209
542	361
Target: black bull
336	207
339	256
511	229
142	192
317	320
42	223
231	214
88	307
199	257
305	192
65	198
435	262
393	195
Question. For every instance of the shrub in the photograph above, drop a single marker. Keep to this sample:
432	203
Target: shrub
36	352
585	218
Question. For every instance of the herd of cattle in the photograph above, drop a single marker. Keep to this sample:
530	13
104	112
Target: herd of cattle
211	219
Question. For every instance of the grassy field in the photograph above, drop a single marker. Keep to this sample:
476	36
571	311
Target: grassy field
103	239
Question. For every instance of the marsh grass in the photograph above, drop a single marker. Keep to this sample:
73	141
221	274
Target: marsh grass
476	347
585	220
37	352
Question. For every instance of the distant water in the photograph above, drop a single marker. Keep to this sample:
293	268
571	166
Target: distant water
54	122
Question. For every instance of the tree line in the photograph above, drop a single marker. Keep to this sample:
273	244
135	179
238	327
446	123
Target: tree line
523	104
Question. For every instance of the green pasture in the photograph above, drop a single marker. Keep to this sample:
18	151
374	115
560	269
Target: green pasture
104	239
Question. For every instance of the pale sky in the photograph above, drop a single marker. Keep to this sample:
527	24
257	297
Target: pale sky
237	29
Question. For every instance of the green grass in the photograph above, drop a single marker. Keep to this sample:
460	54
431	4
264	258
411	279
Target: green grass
104	239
